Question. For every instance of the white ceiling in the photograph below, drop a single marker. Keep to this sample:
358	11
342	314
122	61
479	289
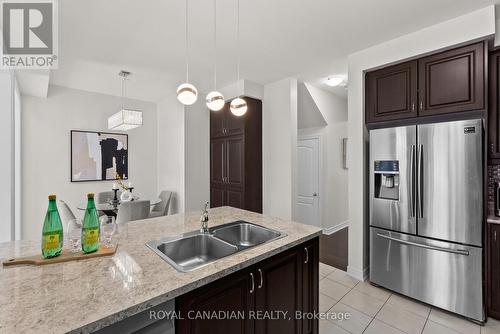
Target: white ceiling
306	38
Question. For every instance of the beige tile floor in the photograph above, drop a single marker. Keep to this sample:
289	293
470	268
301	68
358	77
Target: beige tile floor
375	310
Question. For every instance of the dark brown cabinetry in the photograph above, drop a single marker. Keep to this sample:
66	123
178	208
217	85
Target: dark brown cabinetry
494	108
494	271
443	83
236	157
286	282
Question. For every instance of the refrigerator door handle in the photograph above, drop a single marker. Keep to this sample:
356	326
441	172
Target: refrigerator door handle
416	244
412	181
420	173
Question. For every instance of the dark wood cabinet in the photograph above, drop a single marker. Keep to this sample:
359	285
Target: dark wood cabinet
452	81
391	93
494	108
494	271
236	157
286	282
443	83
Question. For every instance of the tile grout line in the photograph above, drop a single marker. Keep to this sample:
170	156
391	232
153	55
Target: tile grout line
381	320
426	320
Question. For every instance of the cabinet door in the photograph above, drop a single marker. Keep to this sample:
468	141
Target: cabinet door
310	283
231	295
235	161
217	123
391	93
494	309
217	160
217	197
235	198
279	288
452	81
235	125
494	109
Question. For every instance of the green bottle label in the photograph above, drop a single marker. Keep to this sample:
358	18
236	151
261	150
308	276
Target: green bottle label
50	242
91	236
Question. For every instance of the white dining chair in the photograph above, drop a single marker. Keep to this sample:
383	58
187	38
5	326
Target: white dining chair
161	209
103	197
133	210
66	213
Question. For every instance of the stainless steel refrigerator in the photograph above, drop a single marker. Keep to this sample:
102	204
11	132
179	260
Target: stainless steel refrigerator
426	212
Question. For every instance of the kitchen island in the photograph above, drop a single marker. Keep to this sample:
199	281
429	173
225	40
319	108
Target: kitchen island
87	296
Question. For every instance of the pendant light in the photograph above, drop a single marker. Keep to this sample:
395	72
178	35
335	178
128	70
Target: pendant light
187	94
126	118
238	106
215	100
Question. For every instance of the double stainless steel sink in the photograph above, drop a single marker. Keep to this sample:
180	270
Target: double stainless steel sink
193	250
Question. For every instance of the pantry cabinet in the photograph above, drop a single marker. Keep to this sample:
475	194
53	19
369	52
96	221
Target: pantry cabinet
494	271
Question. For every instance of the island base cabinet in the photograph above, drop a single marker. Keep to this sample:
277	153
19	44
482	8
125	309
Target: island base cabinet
265	298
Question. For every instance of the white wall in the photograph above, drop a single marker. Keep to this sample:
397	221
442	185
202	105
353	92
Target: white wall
46	125
6	167
279	151
197	155
462	29
333	184
171	151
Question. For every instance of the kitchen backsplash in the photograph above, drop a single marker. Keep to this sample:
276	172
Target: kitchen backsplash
493	178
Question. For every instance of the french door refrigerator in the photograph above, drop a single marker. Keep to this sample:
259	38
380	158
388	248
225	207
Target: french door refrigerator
426	212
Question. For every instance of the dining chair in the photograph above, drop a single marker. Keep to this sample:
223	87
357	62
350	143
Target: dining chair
133	210
66	213
104	197
161	209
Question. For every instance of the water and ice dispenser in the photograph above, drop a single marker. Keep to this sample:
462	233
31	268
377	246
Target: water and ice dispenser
387	179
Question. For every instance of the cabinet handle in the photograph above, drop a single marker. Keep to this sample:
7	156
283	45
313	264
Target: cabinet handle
253	283
491	147
307	255
495	236
413	106
261	284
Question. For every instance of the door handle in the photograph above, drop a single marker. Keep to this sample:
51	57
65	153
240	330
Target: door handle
420	172
252	289
412	181
261	284
416	244
307	255
315	194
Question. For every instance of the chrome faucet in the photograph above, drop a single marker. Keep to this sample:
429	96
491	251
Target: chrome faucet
204	219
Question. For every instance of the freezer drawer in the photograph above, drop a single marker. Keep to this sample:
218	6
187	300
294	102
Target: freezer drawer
446	275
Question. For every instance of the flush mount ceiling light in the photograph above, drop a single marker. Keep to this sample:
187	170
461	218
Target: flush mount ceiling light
187	94
215	100
126	118
336	81
238	106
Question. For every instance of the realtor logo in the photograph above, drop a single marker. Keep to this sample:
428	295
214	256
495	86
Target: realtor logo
29	34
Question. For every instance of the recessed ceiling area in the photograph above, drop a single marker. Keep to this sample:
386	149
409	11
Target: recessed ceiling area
279	38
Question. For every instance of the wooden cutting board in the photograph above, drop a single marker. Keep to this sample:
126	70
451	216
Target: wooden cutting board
66	255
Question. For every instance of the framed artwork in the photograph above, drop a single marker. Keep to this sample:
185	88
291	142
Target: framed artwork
98	156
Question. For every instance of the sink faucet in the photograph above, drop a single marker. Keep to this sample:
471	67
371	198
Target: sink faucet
204	219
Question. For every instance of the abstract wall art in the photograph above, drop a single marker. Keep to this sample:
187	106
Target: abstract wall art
98	156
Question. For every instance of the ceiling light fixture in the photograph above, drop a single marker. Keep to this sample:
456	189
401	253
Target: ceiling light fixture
215	100
336	80
238	106
126	118
187	94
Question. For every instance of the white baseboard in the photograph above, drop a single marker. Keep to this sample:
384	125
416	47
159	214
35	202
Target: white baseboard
336	228
361	275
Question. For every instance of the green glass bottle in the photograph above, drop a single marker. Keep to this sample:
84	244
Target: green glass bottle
90	227
52	232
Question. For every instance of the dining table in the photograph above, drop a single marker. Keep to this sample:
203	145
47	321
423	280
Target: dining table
111	209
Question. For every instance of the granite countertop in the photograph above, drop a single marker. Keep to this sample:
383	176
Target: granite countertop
84	296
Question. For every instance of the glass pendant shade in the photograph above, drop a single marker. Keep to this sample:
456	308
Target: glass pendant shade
125	119
238	106
215	101
187	94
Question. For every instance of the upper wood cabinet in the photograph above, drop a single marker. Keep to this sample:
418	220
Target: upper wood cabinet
391	93
446	82
452	81
494	108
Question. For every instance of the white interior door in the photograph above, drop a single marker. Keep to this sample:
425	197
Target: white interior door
308	181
